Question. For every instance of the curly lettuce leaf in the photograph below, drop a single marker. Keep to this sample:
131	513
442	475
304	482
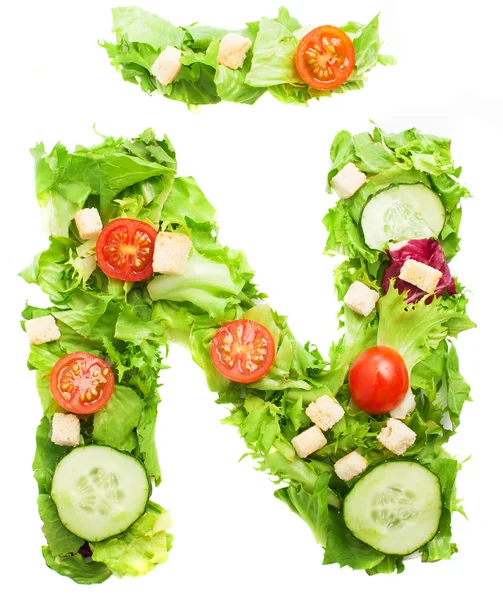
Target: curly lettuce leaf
415	331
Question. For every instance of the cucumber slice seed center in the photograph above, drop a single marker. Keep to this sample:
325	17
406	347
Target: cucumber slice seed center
401	222
99	492
393	506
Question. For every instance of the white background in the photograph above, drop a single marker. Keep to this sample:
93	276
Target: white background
264	168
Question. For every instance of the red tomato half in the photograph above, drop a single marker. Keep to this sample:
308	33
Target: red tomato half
378	380
325	58
82	383
125	249
243	351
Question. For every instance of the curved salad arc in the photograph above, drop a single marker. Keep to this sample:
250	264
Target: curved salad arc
189	64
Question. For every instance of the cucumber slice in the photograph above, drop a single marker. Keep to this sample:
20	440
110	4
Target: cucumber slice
99	492
395	508
402	212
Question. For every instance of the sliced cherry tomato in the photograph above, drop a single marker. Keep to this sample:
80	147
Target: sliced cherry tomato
378	380
125	249
82	383
325	57
243	351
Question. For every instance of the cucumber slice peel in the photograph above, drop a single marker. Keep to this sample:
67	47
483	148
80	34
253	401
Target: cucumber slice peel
99	492
395	508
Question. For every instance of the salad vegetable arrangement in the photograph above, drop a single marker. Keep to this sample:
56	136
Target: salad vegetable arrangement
356	442
205	65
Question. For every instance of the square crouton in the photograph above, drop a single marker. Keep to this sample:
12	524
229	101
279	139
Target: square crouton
65	430
42	330
171	253
423	276
348	181
350	466
232	50
309	441
396	437
88	223
361	298
167	65
325	412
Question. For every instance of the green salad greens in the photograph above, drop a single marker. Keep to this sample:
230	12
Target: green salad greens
105	318
269	65
131	324
422	331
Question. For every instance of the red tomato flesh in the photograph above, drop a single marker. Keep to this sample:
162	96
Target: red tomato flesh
325	58
243	351
125	249
82	383
378	380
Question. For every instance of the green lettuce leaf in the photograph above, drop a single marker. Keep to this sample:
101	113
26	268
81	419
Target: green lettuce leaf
273	56
205	284
137	551
138	25
60	540
86	312
428	373
458	390
46	457
367	45
115	424
186	199
312	507
77	568
260	426
146	437
446	468
344	549
283	463
389	564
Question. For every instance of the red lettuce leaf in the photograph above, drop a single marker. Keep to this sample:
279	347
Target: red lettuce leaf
427	251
